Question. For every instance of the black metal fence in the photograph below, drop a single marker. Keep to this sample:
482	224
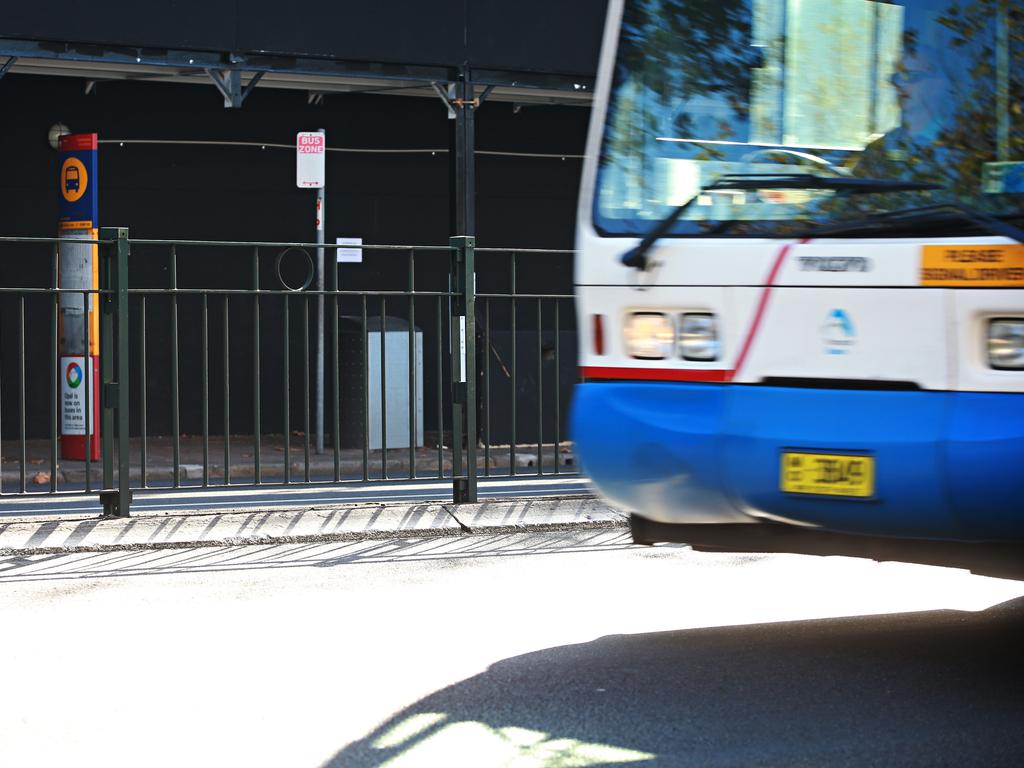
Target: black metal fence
209	368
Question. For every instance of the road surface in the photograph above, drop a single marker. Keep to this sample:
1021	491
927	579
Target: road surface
564	648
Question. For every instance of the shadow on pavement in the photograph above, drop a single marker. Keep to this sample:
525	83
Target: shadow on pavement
149	562
932	688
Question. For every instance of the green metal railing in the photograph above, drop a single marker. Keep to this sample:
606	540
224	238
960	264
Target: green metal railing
162	353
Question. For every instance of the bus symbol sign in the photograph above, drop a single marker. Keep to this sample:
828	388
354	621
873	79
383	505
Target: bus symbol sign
74	179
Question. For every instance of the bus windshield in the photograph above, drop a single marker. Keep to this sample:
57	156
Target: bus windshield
926	91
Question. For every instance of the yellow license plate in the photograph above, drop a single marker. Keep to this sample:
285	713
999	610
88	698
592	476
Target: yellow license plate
827	474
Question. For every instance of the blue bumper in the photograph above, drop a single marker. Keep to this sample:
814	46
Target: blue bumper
948	465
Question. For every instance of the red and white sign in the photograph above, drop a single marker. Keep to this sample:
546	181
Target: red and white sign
310	156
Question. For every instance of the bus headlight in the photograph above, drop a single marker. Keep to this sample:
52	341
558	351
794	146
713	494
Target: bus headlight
650	335
1006	344
698	337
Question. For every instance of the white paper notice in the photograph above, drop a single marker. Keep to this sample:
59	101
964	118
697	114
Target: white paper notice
349	255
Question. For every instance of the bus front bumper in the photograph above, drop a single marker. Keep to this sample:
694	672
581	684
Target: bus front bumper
947	465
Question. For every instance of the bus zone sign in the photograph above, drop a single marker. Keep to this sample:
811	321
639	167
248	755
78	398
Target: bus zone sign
310	156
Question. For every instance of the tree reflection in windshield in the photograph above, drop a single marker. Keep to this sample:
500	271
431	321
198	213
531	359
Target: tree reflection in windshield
924	90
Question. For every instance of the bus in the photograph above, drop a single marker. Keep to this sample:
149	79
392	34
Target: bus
800	277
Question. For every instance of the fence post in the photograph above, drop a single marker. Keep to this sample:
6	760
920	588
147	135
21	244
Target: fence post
114	369
463	346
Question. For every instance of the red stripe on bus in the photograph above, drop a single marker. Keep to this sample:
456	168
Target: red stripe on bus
655	374
761	306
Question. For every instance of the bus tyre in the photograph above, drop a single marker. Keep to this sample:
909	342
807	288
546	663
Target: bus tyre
641	530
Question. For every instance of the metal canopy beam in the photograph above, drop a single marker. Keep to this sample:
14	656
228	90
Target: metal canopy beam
128	63
444	97
229	83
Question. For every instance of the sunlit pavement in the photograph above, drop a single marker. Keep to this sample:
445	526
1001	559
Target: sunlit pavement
565	649
168	501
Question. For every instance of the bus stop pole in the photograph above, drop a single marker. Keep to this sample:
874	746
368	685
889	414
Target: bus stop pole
320	214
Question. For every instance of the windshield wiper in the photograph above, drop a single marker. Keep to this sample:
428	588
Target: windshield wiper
929	214
637	257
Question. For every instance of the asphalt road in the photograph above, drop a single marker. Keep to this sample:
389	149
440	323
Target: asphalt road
173	501
567	649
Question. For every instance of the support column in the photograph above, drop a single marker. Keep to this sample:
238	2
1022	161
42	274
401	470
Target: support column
463	345
116	494
462	166
462	209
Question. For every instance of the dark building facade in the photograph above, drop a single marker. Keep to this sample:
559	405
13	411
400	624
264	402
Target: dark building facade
175	163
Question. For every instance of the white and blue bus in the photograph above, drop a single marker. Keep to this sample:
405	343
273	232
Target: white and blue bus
800	276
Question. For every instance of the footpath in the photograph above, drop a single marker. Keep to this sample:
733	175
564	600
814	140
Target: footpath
185	528
196	516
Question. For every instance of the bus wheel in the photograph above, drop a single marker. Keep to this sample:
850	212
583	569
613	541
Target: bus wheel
641	529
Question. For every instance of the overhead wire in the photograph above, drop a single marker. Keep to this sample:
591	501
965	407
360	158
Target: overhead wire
351	150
